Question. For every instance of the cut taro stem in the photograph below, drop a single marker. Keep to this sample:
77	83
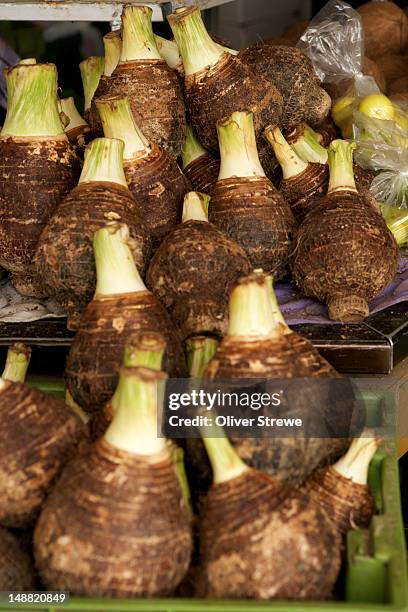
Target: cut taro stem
251	309
17	361
341	166
144	349
91	71
138	42
225	462
177	455
197	49
112	43
192	149
71	403
354	464
116	270
195	206
200	351
32	108
169	51
239	155
134	427
308	148
292	165
311	132
67	106
118	122
104	162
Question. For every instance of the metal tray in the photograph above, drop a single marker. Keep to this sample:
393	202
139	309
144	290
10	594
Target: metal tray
372	347
88	10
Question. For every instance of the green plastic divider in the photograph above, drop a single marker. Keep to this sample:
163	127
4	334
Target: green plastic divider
376	576
49	385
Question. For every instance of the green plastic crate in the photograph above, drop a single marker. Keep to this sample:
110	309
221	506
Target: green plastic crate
375	580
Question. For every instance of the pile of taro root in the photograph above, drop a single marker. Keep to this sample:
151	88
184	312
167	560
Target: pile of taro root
199	176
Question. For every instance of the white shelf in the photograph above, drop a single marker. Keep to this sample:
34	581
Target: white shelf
88	10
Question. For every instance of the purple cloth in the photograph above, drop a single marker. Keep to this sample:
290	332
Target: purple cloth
8	58
298	309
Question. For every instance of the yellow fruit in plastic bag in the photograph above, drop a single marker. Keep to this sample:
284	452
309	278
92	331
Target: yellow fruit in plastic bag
342	110
377	106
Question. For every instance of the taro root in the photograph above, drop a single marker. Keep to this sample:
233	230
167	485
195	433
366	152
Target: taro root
305	172
385	28
38	166
30	285
259	345
344	254
363	178
64	257
91	72
393	66
200	350
112	43
37	437
144	349
292	73
116	524
153	89
260	538
121	306
198	165
245	204
217	83
279	40
16	568
153	175
193	270
342	490
77	130
303	182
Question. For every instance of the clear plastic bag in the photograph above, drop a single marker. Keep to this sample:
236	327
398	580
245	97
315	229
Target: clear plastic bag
334	41
382	146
